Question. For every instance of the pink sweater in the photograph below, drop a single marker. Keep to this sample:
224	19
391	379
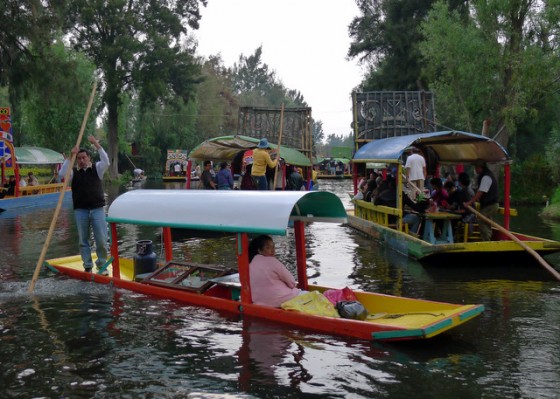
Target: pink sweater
271	283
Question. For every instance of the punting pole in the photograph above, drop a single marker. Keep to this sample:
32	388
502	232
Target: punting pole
61	197
535	254
279	142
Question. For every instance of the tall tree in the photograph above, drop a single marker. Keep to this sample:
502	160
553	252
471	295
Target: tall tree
499	63
138	45
385	39
26	29
56	99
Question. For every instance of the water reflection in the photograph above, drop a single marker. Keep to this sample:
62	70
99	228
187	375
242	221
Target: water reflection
77	339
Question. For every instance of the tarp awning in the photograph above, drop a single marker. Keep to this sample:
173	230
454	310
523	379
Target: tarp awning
452	147
225	148
37	156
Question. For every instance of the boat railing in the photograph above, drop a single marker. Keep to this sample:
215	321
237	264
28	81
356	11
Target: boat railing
379	214
41	189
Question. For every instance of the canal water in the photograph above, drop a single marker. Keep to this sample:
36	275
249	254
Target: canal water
73	339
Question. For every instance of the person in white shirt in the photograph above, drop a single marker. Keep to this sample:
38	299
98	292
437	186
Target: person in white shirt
415	168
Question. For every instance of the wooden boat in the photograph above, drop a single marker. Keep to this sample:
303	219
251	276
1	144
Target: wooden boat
457	243
32	196
391	317
236	150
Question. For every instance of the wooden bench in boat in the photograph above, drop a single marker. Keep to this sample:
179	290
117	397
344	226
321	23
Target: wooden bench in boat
381	215
188	276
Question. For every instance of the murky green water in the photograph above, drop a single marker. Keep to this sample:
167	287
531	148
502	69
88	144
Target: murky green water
79	340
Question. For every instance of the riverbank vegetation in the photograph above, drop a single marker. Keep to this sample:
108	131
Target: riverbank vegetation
488	63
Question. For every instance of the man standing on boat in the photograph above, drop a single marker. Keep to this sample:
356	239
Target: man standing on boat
261	159
415	168
88	199
487	196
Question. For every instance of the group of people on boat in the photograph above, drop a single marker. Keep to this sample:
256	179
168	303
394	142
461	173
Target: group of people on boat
420	194
259	174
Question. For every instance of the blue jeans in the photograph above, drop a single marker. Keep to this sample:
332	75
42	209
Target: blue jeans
413	222
96	219
262	182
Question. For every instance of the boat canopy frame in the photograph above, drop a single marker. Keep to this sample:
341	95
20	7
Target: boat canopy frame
448	147
247	212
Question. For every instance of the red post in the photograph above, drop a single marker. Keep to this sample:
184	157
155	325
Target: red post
301	258
243	266
167	244
115	251
189	170
507	190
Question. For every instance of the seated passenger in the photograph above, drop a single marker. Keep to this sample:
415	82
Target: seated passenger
360	195
271	283
387	196
412	212
438	193
32	180
370	192
10	187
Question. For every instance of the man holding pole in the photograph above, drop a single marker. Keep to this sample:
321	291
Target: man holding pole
261	159
487	196
88	199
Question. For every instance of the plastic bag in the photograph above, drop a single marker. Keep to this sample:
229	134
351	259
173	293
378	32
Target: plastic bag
313	303
345	294
351	310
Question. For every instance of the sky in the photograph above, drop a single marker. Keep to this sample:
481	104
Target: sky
304	41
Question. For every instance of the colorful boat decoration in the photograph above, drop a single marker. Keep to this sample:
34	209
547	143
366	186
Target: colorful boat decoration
227	287
30	196
175	166
456	242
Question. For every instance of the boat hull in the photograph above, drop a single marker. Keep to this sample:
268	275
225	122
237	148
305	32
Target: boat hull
504	249
391	318
35	200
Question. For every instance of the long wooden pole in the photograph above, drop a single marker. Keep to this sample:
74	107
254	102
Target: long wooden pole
539	258
279	142
62	193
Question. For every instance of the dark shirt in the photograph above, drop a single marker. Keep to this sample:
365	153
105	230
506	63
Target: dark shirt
491	197
87	189
295	181
206	178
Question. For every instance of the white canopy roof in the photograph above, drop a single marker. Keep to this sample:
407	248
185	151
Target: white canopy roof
262	212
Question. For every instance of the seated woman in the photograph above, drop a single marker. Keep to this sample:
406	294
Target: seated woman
271	283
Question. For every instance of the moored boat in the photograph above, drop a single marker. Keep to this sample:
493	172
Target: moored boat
227	287
46	194
458	242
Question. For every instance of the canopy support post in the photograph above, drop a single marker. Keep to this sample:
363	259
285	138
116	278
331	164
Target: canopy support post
115	251
243	265
301	258
507	189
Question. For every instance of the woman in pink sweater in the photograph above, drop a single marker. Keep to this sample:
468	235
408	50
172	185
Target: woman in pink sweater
271	283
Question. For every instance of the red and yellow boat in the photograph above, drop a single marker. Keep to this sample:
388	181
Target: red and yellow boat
227	287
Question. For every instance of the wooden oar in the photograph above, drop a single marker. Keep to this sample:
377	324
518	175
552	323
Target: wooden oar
62	193
279	142
535	254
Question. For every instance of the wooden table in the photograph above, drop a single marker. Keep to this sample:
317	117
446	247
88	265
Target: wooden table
447	230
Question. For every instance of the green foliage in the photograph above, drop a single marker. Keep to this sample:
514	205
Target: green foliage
54	107
139	47
531	181
552	152
490	65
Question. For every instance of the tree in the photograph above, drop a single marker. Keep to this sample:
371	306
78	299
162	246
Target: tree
137	46
26	30
56	99
499	63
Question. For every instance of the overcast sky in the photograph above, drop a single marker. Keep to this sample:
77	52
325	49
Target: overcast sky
304	41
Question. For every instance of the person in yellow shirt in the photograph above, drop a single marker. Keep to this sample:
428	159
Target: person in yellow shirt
261	159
